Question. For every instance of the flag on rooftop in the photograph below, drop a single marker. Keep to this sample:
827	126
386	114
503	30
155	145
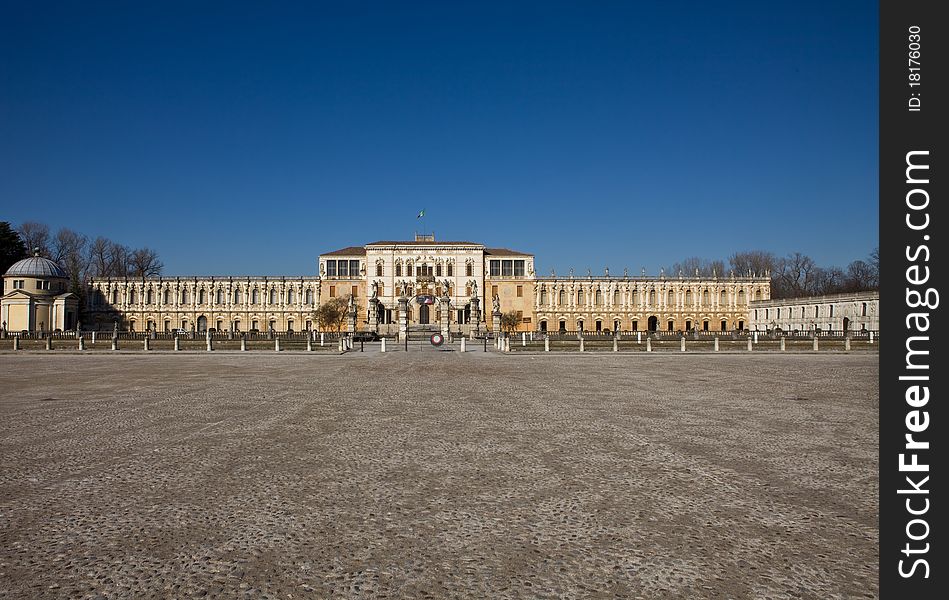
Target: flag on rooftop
421	214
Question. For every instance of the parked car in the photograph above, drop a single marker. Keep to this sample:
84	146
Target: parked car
366	336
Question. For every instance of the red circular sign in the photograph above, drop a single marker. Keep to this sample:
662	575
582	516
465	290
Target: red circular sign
438	339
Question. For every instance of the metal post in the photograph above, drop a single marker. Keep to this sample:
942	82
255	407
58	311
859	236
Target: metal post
360	345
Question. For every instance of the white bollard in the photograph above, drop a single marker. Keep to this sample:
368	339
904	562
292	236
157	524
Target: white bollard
648	344
783	347
716	343
523	339
507	344
815	343
756	336
682	344
639	337
847	343
276	344
243	343
871	337
82	343
581	345
615	344
384	344
177	344
546	344
93	338
115	343
49	342
321	338
749	344
309	344
463	347
146	344
210	344
16	342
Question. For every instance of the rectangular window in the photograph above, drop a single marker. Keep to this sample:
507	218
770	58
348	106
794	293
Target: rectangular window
331	268
398	270
507	268
438	270
382	290
343	268
494	291
495	268
520	291
408	270
469	269
450	269
332	291
355	291
518	268
39	284
353	268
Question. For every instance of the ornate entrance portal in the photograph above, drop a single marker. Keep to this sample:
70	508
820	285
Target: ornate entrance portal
423	314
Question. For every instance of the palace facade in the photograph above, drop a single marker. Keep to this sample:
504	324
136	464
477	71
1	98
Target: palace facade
449	285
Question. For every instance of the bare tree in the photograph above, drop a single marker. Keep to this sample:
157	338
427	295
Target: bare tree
862	276
332	313
795	276
35	236
144	263
98	257
118	260
510	320
758	262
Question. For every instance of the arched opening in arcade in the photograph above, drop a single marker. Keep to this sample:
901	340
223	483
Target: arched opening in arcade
653	323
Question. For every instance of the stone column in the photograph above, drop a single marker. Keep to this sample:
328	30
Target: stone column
446	314
496	321
403	318
374	314
475	314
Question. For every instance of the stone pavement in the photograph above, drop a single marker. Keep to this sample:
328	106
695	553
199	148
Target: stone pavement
438	474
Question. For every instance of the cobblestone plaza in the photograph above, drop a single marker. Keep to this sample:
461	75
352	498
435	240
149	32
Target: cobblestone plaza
439	474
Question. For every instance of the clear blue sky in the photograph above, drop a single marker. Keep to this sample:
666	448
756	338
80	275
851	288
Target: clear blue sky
240	138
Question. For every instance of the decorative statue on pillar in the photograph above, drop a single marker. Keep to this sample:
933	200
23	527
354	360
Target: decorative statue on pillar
474	289
375	290
497	303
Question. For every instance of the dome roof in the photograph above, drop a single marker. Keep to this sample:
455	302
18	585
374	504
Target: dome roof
35	266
